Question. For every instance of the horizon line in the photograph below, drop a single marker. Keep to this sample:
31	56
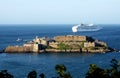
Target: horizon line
61	24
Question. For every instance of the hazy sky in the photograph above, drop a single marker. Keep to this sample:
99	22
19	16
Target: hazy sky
59	11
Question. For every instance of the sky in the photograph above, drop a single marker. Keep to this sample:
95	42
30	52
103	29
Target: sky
59	11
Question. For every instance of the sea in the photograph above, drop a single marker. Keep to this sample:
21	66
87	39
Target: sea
20	64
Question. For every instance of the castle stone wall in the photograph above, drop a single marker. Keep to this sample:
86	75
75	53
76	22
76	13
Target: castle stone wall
18	49
70	38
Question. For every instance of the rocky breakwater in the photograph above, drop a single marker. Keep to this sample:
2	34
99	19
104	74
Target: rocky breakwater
67	43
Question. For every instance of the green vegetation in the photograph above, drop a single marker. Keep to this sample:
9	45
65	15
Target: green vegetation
93	72
97	72
5	74
63	46
61	71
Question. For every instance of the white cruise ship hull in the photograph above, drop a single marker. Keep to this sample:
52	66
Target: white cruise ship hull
88	28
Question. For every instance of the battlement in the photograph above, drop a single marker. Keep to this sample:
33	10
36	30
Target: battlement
70	38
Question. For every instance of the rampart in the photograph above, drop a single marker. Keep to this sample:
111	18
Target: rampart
18	49
71	38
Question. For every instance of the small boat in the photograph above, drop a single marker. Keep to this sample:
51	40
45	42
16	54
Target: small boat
19	39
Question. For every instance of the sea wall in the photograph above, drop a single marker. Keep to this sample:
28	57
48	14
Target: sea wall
19	49
84	50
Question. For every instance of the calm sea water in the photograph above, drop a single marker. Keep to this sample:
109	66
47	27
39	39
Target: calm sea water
77	63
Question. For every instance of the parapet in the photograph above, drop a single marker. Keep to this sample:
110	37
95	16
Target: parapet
71	38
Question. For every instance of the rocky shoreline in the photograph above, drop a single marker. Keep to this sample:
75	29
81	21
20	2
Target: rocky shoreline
61	51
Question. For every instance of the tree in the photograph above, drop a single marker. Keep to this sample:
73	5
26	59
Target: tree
32	74
61	70
115	70
97	72
41	75
5	74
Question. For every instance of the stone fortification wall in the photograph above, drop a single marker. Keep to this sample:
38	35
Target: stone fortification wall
71	43
42	41
18	49
89	44
70	38
54	44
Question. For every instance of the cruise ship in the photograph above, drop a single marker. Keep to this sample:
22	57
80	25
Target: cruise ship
85	27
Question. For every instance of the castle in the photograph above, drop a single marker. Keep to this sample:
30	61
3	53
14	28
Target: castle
69	42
